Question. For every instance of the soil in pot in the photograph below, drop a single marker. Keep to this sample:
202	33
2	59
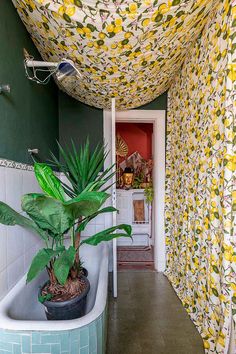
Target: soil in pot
69	304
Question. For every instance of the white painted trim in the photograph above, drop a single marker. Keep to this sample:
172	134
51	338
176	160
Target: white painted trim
157	117
113	159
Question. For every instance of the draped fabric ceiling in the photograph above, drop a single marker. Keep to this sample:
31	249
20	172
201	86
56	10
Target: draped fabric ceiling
126	49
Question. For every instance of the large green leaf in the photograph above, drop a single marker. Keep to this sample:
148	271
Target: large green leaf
49	213
109	234
63	264
84	223
58	217
40	261
49	183
86	203
9	216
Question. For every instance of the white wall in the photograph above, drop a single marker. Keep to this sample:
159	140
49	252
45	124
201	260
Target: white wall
17	246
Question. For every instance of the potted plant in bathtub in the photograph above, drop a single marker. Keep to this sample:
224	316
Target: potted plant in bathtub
81	167
53	217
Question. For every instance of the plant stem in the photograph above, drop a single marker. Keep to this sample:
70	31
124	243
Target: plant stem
51	274
73	236
76	245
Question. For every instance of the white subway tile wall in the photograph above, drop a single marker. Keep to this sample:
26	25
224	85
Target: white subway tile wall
17	245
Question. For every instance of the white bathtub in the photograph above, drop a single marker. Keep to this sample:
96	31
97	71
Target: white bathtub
21	315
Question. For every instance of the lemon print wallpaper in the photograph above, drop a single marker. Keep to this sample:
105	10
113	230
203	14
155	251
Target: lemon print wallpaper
201	180
126	49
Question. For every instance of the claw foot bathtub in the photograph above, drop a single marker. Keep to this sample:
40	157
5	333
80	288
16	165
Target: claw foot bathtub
23	325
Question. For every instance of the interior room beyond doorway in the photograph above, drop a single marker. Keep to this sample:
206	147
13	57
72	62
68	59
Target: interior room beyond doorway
134	168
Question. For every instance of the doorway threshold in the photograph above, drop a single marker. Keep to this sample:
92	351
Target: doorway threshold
135	257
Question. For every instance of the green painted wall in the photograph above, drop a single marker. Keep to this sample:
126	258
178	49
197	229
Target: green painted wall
29	114
77	120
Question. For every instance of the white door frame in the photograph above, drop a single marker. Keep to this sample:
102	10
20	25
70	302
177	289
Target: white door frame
157	118
113	192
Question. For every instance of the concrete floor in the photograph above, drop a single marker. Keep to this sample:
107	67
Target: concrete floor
148	318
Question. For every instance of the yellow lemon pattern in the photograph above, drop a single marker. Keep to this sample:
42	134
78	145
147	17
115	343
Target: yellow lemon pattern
146	40
201	180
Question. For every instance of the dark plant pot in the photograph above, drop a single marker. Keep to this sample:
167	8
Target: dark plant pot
84	272
69	309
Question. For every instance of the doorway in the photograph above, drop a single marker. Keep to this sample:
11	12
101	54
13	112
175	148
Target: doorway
134	194
157	119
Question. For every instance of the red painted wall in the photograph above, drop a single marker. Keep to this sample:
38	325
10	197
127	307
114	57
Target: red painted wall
138	137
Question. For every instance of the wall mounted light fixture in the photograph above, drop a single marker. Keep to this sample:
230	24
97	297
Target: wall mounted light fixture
64	68
5	88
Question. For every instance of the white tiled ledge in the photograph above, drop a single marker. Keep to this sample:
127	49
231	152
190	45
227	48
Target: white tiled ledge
14	164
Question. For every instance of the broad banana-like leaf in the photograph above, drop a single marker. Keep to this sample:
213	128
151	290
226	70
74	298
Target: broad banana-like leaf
9	216
58	217
63	264
86	203
84	223
108	234
48	213
41	260
49	183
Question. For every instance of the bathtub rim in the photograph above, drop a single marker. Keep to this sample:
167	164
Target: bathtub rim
7	323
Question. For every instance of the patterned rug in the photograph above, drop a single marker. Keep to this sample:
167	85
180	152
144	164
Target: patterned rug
135	257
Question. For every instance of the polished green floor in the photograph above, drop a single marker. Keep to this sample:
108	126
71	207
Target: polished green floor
148	318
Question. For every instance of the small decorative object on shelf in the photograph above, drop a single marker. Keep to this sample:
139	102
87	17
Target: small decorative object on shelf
121	146
128	177
139	212
121	151
138	180
142	171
